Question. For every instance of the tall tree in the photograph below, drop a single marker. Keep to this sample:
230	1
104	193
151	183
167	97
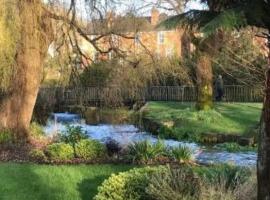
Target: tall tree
231	15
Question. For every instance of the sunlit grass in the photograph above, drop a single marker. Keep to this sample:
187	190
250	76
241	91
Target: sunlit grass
229	118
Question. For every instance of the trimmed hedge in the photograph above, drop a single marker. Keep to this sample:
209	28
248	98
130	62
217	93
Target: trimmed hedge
127	185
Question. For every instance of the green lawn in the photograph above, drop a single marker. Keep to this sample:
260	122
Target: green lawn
38	182
229	118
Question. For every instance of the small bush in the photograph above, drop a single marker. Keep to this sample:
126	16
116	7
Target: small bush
211	183
36	130
72	135
181	154
6	137
60	152
223	174
127	185
174	184
144	152
113	147
38	155
90	149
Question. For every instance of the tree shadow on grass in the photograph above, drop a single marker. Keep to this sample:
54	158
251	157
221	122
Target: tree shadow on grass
88	187
21	182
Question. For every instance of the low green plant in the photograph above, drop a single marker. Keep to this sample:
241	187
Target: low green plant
72	135
174	184
36	130
127	185
6	137
181	154
60	152
225	174
90	149
235	147
144	152
38	155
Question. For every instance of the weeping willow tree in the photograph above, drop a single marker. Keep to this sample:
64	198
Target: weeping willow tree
25	37
9	36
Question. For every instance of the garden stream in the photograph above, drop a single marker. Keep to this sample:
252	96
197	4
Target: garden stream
127	134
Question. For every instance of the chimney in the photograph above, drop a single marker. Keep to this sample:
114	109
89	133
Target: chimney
154	16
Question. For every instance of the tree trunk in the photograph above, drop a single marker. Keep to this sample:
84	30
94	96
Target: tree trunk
204	82
17	108
263	163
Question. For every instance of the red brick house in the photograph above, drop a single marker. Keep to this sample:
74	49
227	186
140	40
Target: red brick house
140	37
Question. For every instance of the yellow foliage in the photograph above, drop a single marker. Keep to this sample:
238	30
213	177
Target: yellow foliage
9	36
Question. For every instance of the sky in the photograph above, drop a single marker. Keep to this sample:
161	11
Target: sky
195	5
132	4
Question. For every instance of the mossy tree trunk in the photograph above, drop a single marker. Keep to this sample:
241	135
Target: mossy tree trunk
204	76
17	108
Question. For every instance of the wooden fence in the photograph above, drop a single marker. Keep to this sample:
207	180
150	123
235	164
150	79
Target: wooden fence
156	93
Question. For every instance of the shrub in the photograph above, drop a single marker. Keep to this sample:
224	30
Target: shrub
38	155
127	185
144	152
187	184
174	184
36	130
181	154
72	135
90	149
6	137
60	152
113	147
223	174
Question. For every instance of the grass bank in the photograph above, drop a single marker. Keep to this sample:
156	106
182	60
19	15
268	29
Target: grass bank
183	121
43	182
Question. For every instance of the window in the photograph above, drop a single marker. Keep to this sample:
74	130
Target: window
160	37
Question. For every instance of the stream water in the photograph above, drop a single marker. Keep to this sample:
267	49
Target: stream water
127	134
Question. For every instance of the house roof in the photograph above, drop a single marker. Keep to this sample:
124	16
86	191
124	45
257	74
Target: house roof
124	24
